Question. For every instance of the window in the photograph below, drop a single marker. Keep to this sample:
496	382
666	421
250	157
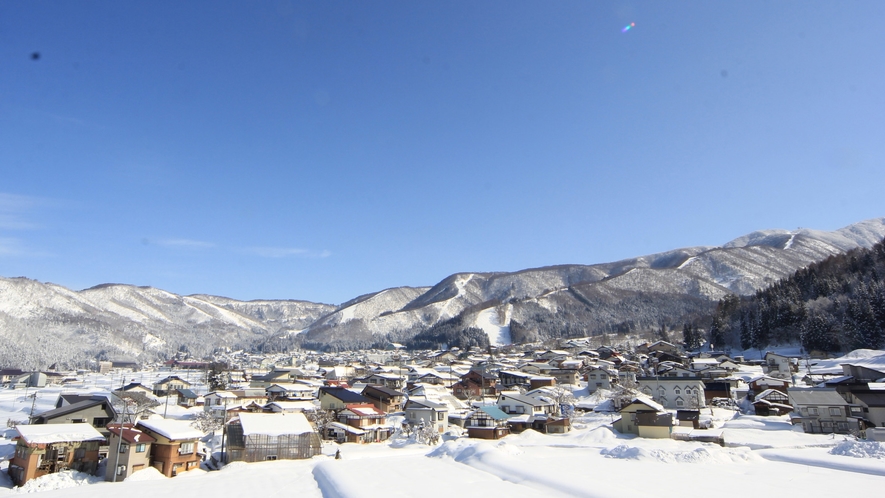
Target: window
812	410
440	416
593	376
835	411
520	409
270	457
678	391
186	448
140	447
78	420
124	448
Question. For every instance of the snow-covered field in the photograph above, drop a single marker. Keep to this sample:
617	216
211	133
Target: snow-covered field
591	460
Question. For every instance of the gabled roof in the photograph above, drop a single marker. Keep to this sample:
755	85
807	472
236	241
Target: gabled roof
524	399
345	395
75	407
383	390
187	393
274	424
494	412
426	404
174	430
130	434
815	396
58	433
647	402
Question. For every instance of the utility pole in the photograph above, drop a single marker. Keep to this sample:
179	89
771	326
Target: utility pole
120	426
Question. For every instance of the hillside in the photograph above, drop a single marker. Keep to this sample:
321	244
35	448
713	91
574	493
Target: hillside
43	323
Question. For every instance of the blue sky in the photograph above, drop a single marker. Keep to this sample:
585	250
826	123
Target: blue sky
322	150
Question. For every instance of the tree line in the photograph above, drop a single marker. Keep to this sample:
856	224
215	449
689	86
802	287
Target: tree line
837	304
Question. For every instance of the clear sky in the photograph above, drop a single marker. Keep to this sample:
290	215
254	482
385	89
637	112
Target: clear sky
323	150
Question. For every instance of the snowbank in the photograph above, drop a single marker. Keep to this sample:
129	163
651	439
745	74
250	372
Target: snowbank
59	480
859	449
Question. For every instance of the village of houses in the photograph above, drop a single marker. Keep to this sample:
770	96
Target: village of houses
165	419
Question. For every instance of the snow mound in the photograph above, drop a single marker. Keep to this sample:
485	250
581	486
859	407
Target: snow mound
704	454
59	480
859	449
147	474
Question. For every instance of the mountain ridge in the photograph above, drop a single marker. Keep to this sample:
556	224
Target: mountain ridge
143	322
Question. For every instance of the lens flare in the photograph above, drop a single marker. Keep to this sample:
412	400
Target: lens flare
627	27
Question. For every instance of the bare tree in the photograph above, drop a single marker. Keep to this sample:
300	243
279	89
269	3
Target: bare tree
206	422
136	404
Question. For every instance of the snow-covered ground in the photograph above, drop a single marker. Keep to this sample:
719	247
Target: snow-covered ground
591	460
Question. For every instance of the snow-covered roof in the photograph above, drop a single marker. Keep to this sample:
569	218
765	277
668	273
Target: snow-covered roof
274	424
57	433
174	430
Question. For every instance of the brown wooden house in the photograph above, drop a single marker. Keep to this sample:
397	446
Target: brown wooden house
176	447
49	448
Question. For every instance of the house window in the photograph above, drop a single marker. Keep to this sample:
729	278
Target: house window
826	424
592	376
186	448
78	420
270	457
835	411
124	448
520	409
678	391
679	402
140	447
440	416
843	426
812	410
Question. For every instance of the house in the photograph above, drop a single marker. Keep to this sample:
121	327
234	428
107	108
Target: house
385	399
674	392
868	407
779	366
599	378
259	437
337	398
135	387
176	447
289	406
169	385
426	413
510	379
50	448
187	397
389	380
762	382
26	380
475	384
662	347
96	411
369	419
821	410
488	422
772	402
645	418
128	455
7	374
219	402
293	392
514	403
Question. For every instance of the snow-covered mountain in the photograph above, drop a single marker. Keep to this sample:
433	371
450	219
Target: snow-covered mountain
42	323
